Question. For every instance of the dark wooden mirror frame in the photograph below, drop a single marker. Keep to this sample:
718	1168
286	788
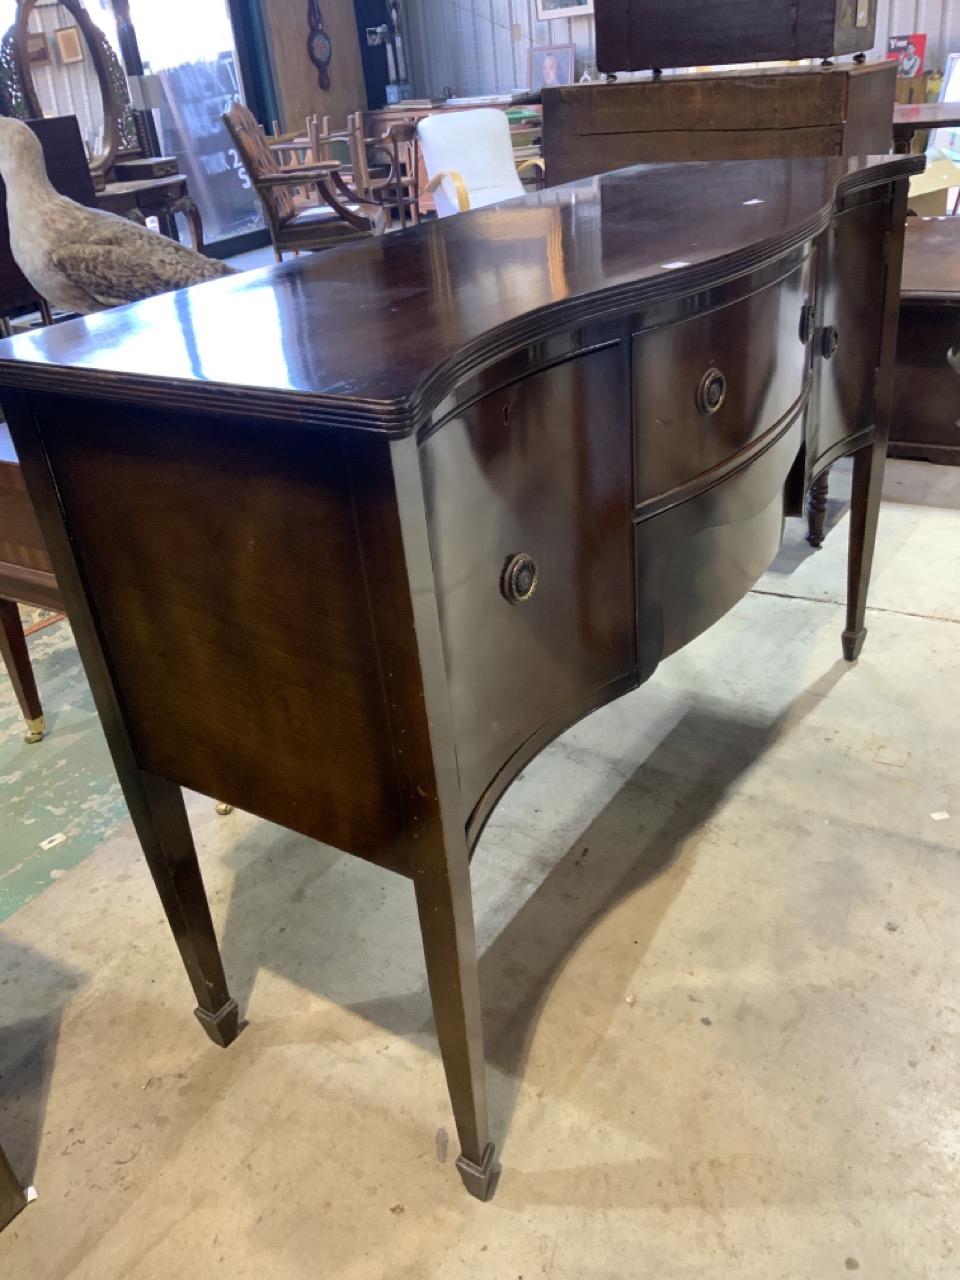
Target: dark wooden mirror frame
99	164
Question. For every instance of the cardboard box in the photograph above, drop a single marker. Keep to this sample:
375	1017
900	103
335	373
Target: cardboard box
929	190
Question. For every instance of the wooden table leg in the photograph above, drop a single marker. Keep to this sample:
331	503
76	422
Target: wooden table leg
16	657
156	805
445	905
12	1197
160	817
868	465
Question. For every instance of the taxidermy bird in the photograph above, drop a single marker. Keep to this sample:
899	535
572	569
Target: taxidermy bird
83	259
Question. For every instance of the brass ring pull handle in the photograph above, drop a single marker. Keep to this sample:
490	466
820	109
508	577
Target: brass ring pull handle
711	392
808	325
829	342
519	579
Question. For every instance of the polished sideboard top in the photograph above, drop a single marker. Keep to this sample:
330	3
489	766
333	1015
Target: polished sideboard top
375	335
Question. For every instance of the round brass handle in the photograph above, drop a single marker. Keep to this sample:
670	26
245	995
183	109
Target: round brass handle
829	342
711	392
808	325
519	579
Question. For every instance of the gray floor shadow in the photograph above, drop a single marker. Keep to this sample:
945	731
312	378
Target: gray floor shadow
297	890
28	1049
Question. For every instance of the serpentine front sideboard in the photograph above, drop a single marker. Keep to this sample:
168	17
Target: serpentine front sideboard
347	541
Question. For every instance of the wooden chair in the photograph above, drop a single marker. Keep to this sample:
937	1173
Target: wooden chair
385	167
469	157
333	219
327	146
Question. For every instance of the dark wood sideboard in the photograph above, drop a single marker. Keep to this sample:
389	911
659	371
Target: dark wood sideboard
925	422
729	115
432	547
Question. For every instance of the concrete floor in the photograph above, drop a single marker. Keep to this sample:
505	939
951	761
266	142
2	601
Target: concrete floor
719	971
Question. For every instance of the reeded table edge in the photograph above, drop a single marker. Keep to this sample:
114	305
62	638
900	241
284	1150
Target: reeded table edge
395	419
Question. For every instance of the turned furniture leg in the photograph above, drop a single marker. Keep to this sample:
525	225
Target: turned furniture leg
12	1197
817	509
868	467
160	818
445	906
13	649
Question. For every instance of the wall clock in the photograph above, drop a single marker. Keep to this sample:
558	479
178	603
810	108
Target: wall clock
319	48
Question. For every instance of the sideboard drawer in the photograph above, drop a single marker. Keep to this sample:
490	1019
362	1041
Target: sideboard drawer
681	372
540	469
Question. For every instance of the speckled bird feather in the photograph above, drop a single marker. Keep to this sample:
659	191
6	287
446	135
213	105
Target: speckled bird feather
83	259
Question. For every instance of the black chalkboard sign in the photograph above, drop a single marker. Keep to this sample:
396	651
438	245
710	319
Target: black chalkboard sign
196	94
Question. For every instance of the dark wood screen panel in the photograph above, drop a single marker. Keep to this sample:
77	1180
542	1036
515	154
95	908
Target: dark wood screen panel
638	35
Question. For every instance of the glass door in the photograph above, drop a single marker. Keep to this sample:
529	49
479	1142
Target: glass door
189	46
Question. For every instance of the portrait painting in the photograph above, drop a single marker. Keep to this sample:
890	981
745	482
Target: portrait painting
69	45
551	65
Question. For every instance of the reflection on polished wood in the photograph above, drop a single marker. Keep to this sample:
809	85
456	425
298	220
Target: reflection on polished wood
431	498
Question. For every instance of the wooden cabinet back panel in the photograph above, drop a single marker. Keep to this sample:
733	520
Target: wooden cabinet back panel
540	468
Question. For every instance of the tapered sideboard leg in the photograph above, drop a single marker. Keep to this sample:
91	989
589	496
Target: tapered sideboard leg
868	467
13	650
12	1198
817	509
446	923
164	831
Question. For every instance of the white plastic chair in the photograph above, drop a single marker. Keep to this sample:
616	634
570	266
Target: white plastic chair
469	159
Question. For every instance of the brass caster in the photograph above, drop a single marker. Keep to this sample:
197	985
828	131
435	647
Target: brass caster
35	730
224	809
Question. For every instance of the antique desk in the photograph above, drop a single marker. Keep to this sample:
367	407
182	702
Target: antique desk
346	542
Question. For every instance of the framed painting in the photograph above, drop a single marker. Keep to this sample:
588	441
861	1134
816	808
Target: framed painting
550	65
549	9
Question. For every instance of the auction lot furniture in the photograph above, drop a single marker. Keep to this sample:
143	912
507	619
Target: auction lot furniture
729	115
910	120
352	573
641	35
925	422
25	575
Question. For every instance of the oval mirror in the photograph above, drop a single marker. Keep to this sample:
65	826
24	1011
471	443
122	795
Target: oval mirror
61	63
